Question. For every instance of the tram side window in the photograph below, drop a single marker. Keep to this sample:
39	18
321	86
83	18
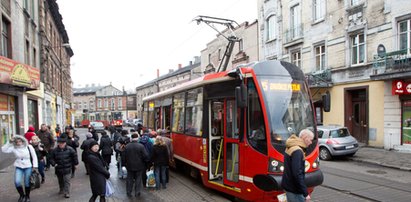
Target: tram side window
145	113
178	113
256	130
150	123
194	112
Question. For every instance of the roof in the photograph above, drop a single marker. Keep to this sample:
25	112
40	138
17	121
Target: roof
58	20
87	90
171	74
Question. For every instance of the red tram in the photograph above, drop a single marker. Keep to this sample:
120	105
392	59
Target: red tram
230	127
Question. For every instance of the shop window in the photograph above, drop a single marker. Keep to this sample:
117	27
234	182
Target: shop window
406	120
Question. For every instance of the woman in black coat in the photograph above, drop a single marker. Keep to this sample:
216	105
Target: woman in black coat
98	172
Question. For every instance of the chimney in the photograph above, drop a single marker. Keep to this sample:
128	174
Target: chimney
158	73
92	85
170	70
191	63
86	85
179	66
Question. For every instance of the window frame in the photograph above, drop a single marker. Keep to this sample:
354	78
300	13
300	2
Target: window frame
407	32
358	46
319	7
322	57
271	33
296	60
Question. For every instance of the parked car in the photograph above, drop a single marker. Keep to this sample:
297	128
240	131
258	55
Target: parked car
335	141
98	126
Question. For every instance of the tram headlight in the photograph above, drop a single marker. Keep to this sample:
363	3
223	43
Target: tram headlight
275	166
316	163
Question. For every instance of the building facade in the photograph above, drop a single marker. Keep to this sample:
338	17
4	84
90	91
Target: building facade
84	103
20	88
335	43
55	54
110	100
244	51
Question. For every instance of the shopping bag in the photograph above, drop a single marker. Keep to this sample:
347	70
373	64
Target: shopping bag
109	188
151	180
282	197
34	180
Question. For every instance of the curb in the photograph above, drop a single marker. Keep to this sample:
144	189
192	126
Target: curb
380	164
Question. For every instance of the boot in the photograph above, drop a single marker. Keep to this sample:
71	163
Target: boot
42	180
21	192
27	198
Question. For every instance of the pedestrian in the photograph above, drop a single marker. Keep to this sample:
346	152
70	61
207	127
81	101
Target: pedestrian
85	147
120	147
160	159
148	145
47	140
29	134
98	172
57	130
66	132
41	154
135	159
116	137
294	166
93	132
63	157
106	148
169	143
72	141
25	163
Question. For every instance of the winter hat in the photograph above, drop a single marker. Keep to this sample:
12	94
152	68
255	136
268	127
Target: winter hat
31	129
89	135
61	139
92	143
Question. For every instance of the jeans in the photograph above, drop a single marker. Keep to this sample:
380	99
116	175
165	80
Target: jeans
41	168
160	172
292	197
19	174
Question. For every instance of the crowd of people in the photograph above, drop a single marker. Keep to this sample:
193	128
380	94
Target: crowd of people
137	153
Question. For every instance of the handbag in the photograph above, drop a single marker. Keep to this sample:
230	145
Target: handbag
109	188
34	180
35	176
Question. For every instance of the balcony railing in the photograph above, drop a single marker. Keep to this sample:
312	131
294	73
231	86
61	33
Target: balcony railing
294	33
392	62
319	79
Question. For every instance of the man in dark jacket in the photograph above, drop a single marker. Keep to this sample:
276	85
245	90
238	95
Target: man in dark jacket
135	158
294	166
63	157
85	147
106	148
47	140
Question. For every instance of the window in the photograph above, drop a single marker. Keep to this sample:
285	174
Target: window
85	105
178	113
79	105
319	10
355	2
296	58
112	104
219	54
271	21
99	103
120	103
256	133
240	46
194	112
357	49
105	103
34	57
404	35
295	21
319	57
6	38
27	53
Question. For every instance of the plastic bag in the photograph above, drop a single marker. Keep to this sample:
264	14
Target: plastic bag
151	180
109	188
282	197
34	180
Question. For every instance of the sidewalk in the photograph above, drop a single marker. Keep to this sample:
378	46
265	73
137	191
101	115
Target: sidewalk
382	157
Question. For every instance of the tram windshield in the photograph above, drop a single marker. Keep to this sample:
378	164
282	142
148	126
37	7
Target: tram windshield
289	109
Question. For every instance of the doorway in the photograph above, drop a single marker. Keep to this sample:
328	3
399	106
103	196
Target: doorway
356	112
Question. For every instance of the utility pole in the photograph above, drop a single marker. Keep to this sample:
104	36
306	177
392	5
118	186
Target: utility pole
210	21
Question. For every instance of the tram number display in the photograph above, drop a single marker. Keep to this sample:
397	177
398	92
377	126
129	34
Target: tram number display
280	86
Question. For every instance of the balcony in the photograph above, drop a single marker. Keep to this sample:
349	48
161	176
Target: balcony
294	34
392	65
319	79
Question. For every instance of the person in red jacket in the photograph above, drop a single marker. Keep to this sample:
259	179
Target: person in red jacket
29	134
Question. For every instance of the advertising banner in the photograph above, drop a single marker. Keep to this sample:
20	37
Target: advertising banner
18	74
401	87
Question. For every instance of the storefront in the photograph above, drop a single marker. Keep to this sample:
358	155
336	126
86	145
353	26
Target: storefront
403	89
7	117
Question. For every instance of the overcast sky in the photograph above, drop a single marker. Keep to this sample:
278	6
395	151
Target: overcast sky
126	41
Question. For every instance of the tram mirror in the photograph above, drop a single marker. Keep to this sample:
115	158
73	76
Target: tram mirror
326	98
241	96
